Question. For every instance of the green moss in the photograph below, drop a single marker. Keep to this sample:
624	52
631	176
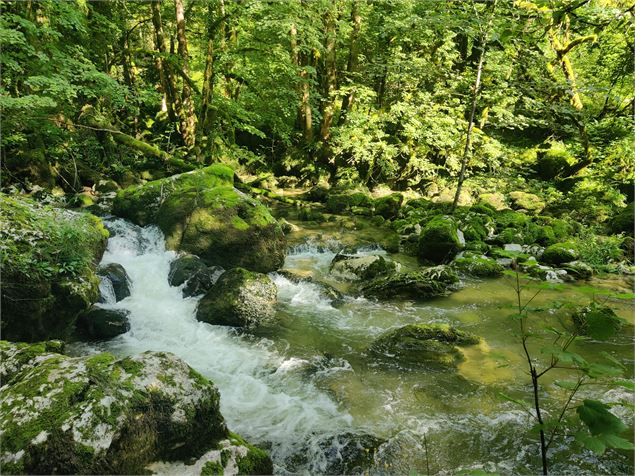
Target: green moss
527	201
212	468
559	253
478	266
131	366
439	241
256	461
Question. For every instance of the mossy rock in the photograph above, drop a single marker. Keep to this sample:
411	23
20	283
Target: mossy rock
494	200
100	415
339	203
439	240
560	253
511	219
353	267
388	206
526	201
427	345
425	284
553	162
200	212
578	269
479	266
99	323
474	228
240	298
597	321
483	208
48	263
194	273
116	274
309	214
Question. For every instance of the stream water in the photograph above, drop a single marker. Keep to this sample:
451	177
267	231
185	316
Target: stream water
302	385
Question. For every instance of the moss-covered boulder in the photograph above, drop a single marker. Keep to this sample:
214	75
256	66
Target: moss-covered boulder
102	323
578	269
388	206
560	253
597	321
48	259
101	415
494	200
202	213
526	201
341	202
240	298
425	284
427	345
119	279
311	214
354	267
440	240
194	274
232	456
479	266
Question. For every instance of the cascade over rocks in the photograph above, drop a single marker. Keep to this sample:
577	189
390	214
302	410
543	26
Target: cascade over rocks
201	212
240	298
100	415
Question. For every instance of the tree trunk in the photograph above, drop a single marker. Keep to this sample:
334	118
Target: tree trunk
188	118
353	59
475	95
330	74
205	117
167	78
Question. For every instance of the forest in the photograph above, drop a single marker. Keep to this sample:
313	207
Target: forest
317	237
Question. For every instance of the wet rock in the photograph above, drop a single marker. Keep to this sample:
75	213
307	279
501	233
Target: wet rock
233	456
428	345
328	291
288	228
352	267
118	277
99	323
200	212
197	276
350	453
440	240
425	284
100	415
240	298
48	268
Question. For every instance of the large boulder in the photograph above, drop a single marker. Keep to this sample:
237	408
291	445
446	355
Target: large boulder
102	323
48	263
116	274
342	202
440	240
388	206
526	201
355	267
428	345
240	298
202	213
194	273
102	415
479	266
425	284
560	253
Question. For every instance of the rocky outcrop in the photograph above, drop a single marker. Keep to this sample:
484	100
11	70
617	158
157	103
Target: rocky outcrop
201	212
102	415
240	298
479	266
48	268
428	345
425	284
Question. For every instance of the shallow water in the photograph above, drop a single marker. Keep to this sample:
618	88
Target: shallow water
307	377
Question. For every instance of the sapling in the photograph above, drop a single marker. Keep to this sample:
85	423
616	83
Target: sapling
604	428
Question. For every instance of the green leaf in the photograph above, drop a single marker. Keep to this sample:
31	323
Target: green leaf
627	384
601	370
612	359
597	417
566	384
594	444
614	441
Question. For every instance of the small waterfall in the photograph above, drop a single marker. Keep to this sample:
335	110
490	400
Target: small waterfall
260	399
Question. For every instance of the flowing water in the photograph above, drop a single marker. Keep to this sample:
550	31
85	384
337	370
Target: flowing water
303	384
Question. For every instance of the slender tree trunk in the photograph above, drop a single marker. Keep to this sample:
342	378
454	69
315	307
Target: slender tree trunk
353	59
475	94
330	74
188	118
167	78
205	123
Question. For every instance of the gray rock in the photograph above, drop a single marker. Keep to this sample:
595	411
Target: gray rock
100	323
197	276
118	277
355	267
